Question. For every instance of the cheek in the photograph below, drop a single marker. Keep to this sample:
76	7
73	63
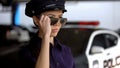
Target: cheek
56	26
59	27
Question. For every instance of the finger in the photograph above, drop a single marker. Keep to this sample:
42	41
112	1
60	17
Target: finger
41	19
48	20
45	19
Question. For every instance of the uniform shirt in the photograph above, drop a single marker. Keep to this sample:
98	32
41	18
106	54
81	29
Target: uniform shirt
60	55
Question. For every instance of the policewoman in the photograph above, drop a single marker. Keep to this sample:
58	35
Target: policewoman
44	49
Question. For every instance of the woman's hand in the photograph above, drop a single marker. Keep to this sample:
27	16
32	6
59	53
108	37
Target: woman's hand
44	26
44	33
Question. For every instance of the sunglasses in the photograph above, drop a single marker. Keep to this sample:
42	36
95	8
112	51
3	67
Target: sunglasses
55	20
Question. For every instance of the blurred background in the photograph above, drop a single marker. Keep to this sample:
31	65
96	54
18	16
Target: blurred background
106	12
16	29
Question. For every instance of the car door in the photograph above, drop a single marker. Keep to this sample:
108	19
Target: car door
103	50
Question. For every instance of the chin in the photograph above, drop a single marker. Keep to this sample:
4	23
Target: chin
53	35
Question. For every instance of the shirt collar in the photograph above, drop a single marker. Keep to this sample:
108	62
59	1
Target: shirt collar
56	42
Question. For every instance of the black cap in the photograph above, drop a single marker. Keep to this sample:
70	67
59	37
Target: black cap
35	7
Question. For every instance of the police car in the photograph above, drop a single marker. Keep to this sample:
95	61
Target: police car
92	48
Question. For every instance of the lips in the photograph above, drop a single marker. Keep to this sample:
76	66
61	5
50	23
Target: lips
54	30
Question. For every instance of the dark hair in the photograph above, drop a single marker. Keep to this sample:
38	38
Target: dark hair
35	7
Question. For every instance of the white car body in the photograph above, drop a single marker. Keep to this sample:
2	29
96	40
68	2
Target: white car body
108	58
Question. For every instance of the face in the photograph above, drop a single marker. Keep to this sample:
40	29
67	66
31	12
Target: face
56	26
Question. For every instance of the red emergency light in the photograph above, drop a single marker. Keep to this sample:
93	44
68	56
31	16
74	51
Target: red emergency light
92	23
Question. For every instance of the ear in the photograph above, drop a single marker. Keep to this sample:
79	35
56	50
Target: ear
36	20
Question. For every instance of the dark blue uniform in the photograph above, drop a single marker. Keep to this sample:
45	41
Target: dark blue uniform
60	55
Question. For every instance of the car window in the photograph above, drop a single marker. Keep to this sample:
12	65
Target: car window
111	39
103	41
